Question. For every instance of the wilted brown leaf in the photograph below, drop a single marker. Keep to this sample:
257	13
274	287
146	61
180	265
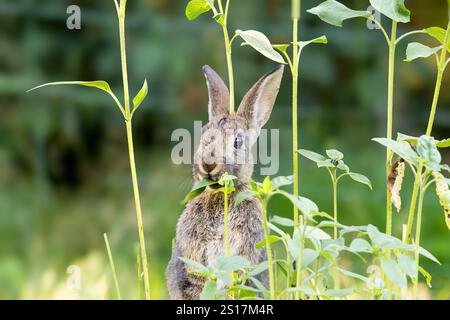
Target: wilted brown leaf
443	192
395	181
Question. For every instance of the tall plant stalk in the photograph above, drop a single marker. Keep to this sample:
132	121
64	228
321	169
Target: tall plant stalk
228	45
295	20
113	266
128	120
127	113
417	183
390	114
417	238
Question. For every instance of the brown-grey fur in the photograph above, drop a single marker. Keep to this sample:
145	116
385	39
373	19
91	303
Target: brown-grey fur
200	228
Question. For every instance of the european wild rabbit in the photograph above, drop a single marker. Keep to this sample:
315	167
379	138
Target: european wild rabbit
225	146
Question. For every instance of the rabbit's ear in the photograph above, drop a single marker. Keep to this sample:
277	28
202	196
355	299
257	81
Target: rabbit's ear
219	96
257	104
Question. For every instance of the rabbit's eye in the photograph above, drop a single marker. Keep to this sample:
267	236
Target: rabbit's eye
238	142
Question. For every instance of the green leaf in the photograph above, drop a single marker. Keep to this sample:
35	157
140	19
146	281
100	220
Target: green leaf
393	272
272	239
309	256
427	276
342	166
403	149
231	263
195	8
281	181
443	143
417	50
281	47
407	264
361	179
312	155
439	34
196	267
393	9
263	266
209	291
315	233
321	40
335	154
305	205
427	150
338	292
102	85
327	164
335	13
137	100
197	190
360	245
285	222
267	187
243	196
260	43
353	275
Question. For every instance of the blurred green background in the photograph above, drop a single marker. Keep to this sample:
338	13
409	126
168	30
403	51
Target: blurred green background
64	172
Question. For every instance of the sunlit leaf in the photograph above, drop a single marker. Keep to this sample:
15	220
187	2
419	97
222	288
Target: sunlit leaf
361	179
417	50
335	154
243	196
360	245
394	9
102	85
195	8
285	222
407	264
231	263
209	291
260	43
137	100
427	150
196	267
439	34
335	13
401	148
393	272
197	190
271	238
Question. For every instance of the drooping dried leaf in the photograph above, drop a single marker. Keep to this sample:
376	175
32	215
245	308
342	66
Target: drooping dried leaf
395	181
443	192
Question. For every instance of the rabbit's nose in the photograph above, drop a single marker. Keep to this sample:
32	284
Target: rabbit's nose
208	167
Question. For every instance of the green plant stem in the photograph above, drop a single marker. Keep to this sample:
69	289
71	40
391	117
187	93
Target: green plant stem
418	178
335	211
412	208
228	44
437	89
269	251
390	112
335	214
295	62
225	220
299	293
417	239
113	267
137	201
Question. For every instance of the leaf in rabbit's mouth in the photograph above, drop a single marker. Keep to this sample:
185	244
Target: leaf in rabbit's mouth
199	188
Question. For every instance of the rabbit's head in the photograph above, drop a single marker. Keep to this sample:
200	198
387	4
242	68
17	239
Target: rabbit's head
227	139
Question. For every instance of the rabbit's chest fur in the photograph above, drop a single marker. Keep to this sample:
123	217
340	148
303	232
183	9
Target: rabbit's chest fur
200	231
